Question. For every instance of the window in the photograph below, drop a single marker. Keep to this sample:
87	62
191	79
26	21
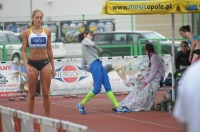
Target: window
133	38
13	38
119	38
102	39
3	38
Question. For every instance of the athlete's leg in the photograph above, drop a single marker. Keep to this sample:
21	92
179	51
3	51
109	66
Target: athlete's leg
87	98
32	82
194	58
45	79
107	86
95	69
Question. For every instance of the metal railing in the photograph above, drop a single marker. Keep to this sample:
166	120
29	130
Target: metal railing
6	54
162	46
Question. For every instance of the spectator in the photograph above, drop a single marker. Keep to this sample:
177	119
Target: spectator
182	57
192	39
187	106
143	95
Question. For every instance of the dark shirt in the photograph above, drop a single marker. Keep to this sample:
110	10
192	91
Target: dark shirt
182	59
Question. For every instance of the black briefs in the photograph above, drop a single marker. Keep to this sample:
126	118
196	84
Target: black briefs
197	51
38	64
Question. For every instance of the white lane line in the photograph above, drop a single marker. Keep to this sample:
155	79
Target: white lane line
147	122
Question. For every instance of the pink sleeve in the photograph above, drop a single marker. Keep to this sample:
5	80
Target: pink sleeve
155	63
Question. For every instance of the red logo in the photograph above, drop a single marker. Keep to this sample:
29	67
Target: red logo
70	74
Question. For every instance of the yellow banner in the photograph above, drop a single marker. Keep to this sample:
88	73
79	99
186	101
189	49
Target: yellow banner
140	7
189	6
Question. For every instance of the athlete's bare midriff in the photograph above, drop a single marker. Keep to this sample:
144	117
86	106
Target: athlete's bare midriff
38	54
197	45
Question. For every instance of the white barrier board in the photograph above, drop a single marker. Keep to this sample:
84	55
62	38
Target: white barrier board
71	79
10	80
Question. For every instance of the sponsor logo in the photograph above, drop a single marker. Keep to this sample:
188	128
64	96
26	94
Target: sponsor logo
5	68
193	7
3	79
70	74
46	62
38	40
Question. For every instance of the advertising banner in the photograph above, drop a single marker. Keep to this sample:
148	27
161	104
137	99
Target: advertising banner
53	26
12	80
189	6
70	30
102	25
72	79
116	7
140	7
16	27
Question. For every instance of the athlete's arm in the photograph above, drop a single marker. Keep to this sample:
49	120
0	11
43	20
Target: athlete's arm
49	51
193	43
25	35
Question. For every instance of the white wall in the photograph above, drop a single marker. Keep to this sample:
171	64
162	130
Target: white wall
57	10
21	8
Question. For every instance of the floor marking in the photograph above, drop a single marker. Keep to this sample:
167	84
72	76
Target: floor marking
147	122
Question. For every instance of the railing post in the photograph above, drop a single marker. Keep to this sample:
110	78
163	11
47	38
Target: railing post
159	48
4	52
135	46
140	47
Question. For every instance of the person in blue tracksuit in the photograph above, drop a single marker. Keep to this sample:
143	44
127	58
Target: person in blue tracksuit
90	58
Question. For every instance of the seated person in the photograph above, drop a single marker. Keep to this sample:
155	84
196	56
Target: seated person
143	93
182	57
